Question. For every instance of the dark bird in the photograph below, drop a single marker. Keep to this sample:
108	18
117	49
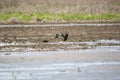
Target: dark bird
62	35
65	36
57	35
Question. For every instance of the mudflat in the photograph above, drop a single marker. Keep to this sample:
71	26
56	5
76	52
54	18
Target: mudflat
40	53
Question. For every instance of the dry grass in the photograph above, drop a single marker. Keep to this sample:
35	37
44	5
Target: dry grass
61	6
58	10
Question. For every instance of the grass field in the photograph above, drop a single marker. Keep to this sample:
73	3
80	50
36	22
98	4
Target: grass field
59	10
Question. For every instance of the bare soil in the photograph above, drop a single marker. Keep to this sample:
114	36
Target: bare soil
41	38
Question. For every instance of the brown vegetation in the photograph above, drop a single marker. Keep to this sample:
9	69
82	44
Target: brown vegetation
60	6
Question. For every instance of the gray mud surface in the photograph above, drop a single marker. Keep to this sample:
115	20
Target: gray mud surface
102	63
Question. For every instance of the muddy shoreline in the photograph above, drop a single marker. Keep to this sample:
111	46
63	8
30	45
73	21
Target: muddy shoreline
34	53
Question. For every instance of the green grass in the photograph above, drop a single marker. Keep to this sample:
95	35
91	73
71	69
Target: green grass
90	16
66	17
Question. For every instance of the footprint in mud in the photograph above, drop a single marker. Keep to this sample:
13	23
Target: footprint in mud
78	69
15	75
30	74
62	70
7	53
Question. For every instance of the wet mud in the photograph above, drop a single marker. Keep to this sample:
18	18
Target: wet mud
44	38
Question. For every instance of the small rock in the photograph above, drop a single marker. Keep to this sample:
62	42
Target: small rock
45	41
